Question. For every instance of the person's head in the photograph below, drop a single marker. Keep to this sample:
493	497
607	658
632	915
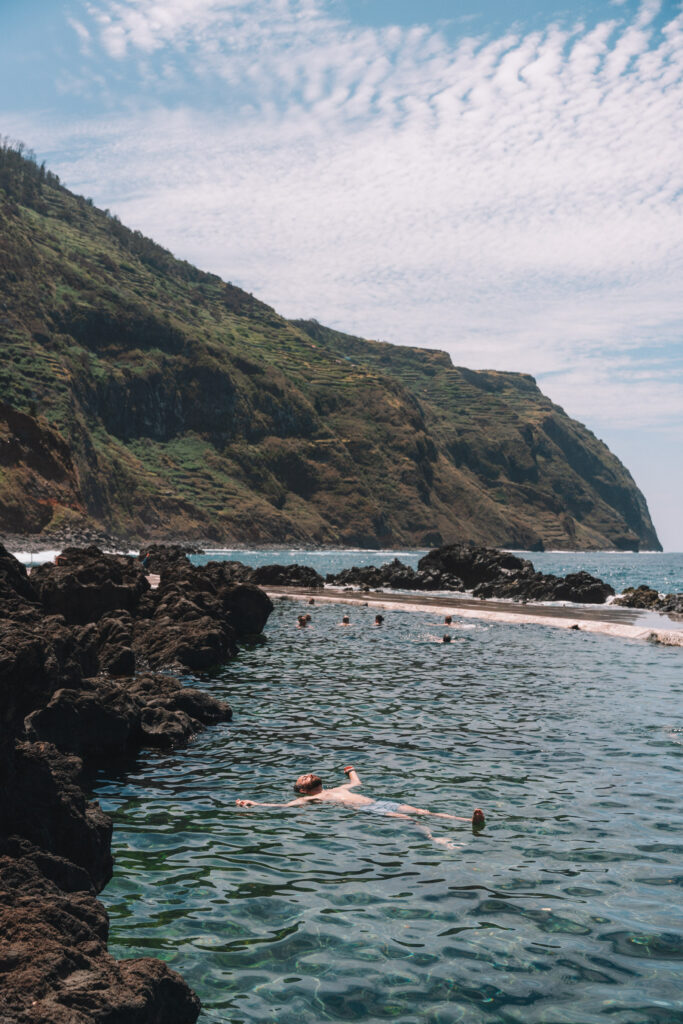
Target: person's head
478	819
379	619
302	621
308	618
446	638
311	600
308	784
345	620
448	620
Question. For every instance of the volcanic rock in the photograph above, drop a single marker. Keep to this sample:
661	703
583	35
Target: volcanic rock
55	964
286	576
491	573
397	576
110	717
86	584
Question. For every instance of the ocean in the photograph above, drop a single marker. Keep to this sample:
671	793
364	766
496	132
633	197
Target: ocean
566	908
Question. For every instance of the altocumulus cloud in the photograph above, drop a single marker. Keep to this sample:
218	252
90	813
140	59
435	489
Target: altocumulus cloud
514	200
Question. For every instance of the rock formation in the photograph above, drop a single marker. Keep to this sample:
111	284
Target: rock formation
487	572
71	637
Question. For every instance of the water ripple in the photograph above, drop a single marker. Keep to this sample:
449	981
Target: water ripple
566	908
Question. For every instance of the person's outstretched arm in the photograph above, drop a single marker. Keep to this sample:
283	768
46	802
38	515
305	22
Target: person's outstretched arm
352	777
257	803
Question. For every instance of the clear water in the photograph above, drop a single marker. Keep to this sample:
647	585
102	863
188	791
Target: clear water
661	570
567	908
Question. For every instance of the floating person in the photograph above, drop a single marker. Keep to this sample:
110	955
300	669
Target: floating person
379	619
311	786
308	618
345	621
448	620
311	600
446	639
301	622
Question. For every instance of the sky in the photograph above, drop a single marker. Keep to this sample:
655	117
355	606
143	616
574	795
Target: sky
502	182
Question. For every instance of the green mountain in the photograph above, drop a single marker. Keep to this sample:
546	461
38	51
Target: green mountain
151	399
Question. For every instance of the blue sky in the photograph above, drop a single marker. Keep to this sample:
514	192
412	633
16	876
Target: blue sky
504	182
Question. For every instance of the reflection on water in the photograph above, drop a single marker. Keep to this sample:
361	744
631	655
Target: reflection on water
566	908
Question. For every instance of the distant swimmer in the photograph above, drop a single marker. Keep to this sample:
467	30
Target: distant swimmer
379	619
345	621
313	791
448	620
301	622
308	618
311	600
446	638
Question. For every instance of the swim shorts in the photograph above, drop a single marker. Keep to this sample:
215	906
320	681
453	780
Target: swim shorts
381	807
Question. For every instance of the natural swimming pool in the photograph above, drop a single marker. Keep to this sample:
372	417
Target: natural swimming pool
566	908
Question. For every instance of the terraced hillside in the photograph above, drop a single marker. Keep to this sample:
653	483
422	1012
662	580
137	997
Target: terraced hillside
170	402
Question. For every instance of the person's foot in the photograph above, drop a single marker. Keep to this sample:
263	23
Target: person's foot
478	819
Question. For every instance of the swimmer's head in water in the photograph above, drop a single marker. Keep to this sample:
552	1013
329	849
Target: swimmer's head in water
379	619
446	638
308	618
448	620
478	819
308	784
345	620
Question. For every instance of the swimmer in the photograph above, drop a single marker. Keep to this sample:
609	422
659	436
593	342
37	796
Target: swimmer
345	621
301	622
311	600
311	786
379	619
308	618
448	620
446	639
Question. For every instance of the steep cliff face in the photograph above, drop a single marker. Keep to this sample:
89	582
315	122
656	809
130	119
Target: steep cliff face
38	480
165	401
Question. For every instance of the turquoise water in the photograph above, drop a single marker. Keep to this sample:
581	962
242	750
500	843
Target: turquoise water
661	570
567	908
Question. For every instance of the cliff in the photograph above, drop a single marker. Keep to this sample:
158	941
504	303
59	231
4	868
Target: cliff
152	399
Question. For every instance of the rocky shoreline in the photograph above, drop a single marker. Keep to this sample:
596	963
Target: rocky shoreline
87	649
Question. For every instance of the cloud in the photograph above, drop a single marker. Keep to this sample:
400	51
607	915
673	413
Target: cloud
516	200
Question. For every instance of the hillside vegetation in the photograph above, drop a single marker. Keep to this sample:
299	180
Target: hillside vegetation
152	399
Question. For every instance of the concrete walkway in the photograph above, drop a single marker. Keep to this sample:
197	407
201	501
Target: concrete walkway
610	620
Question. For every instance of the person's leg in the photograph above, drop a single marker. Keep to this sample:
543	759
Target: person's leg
477	818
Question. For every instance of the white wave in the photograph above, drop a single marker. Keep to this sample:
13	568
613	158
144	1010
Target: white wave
36	557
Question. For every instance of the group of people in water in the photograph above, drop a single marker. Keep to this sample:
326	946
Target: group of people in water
303	621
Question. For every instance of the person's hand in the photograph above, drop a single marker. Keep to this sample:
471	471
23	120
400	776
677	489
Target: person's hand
244	803
349	768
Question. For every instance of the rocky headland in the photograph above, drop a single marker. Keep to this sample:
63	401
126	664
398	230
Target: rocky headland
87	655
143	398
